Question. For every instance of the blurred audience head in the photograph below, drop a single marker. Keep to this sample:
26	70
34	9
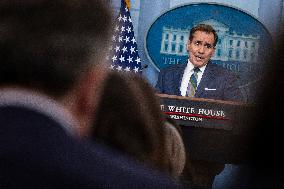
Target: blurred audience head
175	148
129	119
56	48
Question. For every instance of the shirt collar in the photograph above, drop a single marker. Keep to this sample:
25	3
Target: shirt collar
191	66
40	103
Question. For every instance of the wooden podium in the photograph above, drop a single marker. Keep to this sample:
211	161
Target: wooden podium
213	130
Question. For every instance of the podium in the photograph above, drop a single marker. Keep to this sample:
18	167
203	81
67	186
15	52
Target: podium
213	130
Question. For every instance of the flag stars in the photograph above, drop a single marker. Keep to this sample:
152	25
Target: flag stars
116	28
133	40
119	18
126	39
128	29
113	38
117	48
122	29
111	67
137	60
119	68
120	39
121	58
136	69
124	18
127	69
123	55
114	58
132	49
129	59
124	49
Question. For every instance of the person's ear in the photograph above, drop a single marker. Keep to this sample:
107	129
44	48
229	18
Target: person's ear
187	45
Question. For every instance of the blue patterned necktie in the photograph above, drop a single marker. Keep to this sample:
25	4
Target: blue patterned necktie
192	85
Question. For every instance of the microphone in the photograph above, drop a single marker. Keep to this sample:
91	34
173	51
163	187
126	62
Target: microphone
144	67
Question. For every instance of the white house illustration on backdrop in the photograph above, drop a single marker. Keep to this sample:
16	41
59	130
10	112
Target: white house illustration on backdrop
231	46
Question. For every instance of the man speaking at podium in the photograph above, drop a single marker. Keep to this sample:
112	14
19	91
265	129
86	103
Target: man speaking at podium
200	78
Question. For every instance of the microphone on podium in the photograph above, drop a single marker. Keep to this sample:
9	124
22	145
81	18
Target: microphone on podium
144	67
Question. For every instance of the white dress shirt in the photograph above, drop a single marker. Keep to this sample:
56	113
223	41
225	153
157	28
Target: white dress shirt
188	71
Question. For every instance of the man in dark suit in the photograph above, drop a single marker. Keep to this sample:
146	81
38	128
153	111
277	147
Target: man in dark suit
52	67
209	81
213	81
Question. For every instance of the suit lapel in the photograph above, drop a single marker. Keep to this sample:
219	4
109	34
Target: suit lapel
179	74
206	79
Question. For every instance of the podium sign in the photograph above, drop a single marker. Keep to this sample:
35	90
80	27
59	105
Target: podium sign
213	130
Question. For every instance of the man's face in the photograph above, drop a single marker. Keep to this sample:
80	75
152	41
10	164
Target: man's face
201	48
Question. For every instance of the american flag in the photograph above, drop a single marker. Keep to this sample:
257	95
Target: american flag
123	53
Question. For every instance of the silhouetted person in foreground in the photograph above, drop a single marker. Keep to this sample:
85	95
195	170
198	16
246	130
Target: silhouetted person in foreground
265	168
51	55
266	156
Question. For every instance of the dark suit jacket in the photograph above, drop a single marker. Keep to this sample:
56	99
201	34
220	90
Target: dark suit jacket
36	152
216	82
